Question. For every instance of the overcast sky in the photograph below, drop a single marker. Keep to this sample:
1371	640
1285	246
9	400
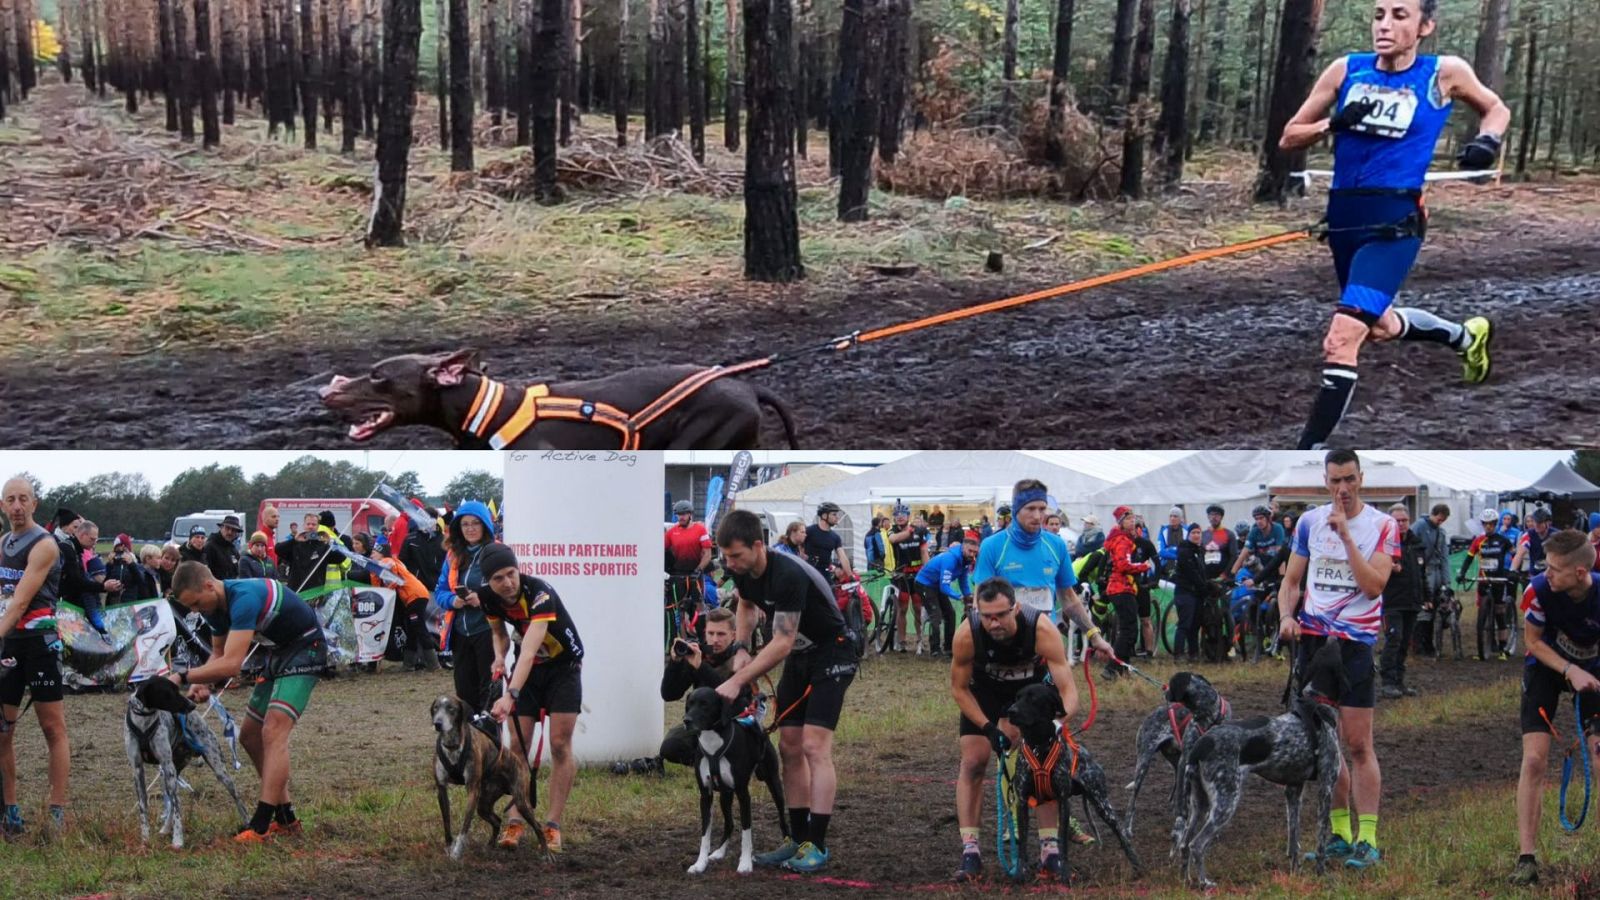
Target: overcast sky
58	467
438	467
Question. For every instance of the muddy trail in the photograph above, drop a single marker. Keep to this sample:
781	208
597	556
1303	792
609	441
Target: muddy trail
1223	354
895	829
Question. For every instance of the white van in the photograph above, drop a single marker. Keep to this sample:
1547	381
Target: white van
210	519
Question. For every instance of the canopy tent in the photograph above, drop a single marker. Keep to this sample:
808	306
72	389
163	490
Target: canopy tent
1240	480
964	484
782	500
1560	483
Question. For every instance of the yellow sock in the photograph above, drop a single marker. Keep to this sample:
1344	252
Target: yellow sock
1369	828
969	836
1049	834
1340	819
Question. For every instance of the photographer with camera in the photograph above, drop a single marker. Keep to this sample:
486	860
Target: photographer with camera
692	665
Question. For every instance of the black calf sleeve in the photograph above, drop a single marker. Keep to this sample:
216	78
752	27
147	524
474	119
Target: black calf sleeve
1338	384
799	823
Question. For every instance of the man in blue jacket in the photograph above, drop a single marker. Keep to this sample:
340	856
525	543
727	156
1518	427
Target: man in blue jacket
941	582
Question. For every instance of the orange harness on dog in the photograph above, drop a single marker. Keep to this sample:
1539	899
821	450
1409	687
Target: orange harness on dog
537	404
1043	791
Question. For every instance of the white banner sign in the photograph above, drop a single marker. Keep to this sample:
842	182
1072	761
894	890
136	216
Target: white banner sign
588	522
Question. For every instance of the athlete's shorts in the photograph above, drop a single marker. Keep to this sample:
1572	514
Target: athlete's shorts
824	672
1542	688
1142	605
1362	692
1371	264
553	689
994	698
28	663
288	694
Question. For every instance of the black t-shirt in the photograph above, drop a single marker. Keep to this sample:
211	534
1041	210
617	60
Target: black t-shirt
789	585
820	547
908	553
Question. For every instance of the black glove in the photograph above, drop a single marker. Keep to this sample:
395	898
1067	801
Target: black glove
1352	114
1479	153
997	738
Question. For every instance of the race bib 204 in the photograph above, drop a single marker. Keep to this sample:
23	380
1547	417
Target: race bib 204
1392	113
1333	575
1036	598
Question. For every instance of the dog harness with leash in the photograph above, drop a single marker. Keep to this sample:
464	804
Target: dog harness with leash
1577	746
1043	790
1180	723
538	404
1006	850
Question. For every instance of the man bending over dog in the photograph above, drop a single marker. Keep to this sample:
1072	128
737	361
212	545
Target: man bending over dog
1007	647
1562	628
1348	549
30	650
546	682
246	614
810	639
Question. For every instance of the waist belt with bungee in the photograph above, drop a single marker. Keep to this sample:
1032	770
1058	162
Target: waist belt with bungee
538	404
1415	223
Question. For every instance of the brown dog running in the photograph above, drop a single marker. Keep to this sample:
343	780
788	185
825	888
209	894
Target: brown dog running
464	755
448	391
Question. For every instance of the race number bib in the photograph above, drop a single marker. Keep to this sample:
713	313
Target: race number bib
1213	557
1333	576
1489	564
1392	115
1036	598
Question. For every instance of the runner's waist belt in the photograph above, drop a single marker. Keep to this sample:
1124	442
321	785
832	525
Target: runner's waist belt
306	655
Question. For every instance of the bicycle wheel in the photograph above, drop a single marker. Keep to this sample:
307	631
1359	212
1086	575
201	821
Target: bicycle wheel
883	628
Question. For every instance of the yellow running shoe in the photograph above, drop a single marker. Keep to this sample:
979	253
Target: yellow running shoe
1475	362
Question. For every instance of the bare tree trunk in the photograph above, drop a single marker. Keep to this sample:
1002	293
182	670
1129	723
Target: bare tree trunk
1172	134
652	69
402	34
27	70
64	38
205	70
771	220
1008	67
896	59
619	87
696	83
441	73
310	74
846	82
460	88
493	96
350	105
572	44
527	29
371	87
86	38
5	61
548	65
732	98
860	129
805	62
171	78
1211	116
329	44
1060	68
1297	50
1121	57
1248	87
675	67
185	50
1133	133
230	58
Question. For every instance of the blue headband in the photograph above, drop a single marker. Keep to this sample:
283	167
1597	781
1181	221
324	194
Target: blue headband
1023	498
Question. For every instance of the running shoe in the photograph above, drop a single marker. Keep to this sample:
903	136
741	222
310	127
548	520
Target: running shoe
292	830
512	836
1526	873
1338	848
552	837
58	818
248	835
971	867
1077	834
808	858
1475	362
11	823
1050	867
778	857
1365	856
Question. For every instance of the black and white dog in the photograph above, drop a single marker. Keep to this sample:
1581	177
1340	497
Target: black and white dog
1056	769
729	754
1193	707
161	730
1294	749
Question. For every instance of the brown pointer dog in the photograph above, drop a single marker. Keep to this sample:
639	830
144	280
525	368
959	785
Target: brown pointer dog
440	390
464	755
